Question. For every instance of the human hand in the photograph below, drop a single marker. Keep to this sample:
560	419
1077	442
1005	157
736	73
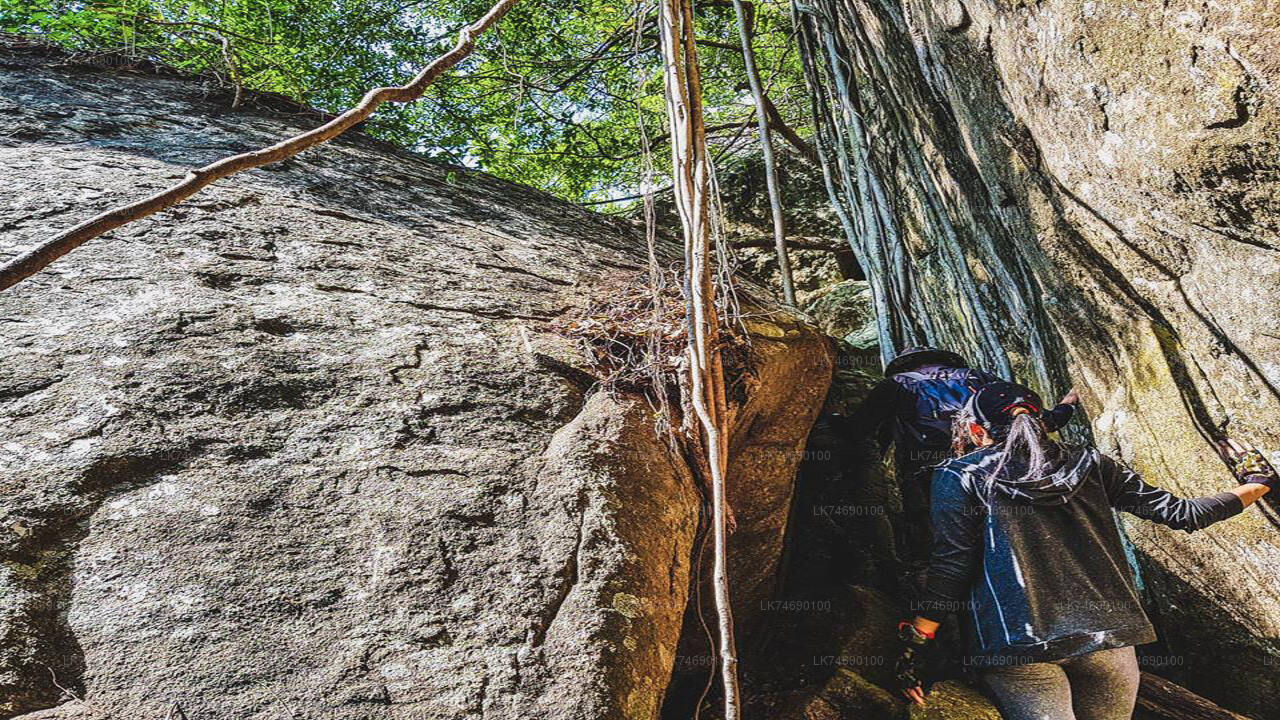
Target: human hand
908	681
1071	398
1248	463
905	672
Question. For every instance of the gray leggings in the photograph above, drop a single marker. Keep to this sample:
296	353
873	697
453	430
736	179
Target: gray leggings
1100	685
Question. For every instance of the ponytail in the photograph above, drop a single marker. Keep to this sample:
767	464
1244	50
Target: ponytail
1026	438
1010	413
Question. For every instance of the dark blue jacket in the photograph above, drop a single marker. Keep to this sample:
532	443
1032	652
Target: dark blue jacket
1036	570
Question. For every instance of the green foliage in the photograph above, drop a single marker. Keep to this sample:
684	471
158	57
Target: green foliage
553	99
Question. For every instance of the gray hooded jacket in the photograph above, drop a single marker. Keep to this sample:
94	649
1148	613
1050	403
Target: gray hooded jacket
1036	569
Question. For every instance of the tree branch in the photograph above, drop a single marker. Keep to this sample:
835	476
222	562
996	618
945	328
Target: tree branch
36	259
790	135
191	23
706	43
1168	700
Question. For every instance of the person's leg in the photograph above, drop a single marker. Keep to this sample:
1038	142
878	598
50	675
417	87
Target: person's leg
1104	684
1035	691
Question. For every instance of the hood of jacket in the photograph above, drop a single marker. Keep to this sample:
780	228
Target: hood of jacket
1068	466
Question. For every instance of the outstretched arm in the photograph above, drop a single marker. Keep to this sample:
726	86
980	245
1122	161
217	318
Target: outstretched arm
1128	492
957	517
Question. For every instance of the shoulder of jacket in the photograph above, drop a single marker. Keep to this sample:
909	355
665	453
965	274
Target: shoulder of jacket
972	467
1106	465
962	468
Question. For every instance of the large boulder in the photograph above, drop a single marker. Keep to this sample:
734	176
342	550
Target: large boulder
1086	193
308	445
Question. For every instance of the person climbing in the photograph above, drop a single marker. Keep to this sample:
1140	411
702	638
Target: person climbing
1027	552
922	390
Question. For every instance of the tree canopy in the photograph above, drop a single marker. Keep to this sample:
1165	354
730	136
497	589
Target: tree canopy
554	98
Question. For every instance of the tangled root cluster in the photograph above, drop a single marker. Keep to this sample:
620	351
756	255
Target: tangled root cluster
636	338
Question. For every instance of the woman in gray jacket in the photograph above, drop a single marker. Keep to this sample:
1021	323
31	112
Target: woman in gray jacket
1026	552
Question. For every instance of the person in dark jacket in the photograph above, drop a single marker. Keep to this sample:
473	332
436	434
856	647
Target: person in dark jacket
913	409
1027	553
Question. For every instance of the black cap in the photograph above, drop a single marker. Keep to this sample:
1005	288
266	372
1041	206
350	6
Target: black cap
996	404
914	357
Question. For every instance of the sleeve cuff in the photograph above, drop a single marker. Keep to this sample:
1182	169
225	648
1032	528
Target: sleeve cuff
938	603
937	611
1227	504
1058	416
1216	508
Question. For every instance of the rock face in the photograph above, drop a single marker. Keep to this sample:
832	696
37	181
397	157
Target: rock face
1086	193
306	446
845	310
